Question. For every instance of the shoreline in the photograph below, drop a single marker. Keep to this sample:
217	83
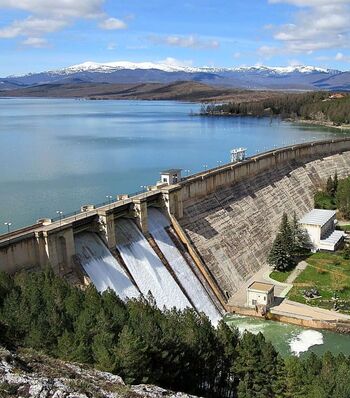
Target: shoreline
305	122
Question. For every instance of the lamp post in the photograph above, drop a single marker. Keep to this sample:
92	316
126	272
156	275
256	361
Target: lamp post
109	198
60	214
219	162
8	224
187	172
143	187
205	166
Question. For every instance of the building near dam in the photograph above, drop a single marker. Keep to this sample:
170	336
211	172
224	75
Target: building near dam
260	294
191	242
320	226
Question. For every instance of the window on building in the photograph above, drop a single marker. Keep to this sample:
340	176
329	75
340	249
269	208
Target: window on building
253	302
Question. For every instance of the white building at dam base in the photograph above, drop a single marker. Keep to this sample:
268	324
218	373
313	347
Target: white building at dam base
320	226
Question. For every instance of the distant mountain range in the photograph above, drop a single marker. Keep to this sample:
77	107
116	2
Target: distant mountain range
253	78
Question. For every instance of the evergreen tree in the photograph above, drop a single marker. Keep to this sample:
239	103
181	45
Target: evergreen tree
132	361
330	186
343	197
335	183
300	237
281	256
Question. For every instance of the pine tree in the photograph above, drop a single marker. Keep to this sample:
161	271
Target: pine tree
343	197
335	184
132	361
281	256
300	237
330	186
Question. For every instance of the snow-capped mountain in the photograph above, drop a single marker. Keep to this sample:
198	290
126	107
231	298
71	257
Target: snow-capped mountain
110	67
249	77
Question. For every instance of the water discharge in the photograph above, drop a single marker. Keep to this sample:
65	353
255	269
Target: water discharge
149	273
157	222
304	340
102	268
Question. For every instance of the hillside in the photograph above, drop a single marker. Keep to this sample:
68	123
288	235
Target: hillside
183	90
27	373
250	77
320	107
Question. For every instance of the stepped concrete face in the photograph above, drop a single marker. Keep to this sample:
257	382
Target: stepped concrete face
233	227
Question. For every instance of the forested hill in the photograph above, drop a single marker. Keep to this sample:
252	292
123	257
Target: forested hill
316	106
174	349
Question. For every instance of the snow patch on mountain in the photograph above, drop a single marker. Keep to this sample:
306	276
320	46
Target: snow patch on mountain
110	67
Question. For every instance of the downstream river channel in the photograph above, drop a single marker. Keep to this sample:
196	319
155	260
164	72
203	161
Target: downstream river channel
59	154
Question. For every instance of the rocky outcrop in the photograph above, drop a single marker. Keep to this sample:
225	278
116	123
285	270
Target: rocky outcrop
233	228
28	374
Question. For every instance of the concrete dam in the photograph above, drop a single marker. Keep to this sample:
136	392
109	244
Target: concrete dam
191	244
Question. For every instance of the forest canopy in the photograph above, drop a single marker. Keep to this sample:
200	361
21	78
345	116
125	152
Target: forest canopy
179	350
316	106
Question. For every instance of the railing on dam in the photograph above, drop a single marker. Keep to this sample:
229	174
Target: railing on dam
205	181
66	219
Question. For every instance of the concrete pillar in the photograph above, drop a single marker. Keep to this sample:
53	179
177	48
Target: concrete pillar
42	245
140	213
60	249
108	223
172	198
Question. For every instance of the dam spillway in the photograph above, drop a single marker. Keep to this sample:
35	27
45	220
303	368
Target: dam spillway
102	268
157	223
146	268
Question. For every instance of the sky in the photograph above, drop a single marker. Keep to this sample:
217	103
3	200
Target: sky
39	35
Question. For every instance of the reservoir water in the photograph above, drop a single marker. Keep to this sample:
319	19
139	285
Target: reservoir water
59	154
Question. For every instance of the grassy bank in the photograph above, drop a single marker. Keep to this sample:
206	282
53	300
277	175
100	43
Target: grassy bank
329	273
280	276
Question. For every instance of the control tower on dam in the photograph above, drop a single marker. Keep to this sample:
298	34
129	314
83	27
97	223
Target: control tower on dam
192	241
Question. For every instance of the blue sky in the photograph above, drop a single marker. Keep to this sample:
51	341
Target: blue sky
38	35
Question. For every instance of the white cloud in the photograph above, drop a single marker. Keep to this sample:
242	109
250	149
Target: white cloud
268	51
176	62
186	42
342	57
318	25
31	27
46	16
112	24
237	55
111	46
36	42
58	8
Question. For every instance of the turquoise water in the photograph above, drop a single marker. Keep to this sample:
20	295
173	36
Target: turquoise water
59	154
290	339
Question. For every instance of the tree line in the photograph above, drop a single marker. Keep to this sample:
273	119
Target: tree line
335	195
180	350
308	106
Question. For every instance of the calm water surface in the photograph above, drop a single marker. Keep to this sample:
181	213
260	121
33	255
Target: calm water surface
59	154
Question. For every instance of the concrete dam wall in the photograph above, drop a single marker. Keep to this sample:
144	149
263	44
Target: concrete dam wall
219	228
232	227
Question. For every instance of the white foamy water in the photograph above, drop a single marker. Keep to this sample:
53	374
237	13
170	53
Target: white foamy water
157	222
304	340
102	268
149	272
